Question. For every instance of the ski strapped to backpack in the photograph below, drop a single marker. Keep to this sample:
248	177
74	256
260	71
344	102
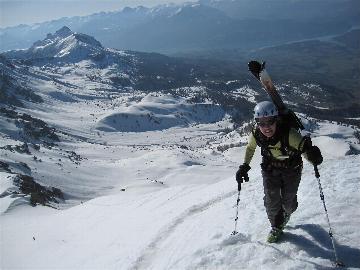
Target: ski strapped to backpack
287	116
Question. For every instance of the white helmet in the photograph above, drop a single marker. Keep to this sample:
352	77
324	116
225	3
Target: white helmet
265	109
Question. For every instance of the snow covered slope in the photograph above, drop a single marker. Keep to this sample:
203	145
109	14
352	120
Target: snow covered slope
145	180
183	218
165	198
160	112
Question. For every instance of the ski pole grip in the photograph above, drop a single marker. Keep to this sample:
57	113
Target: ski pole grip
239	186
317	174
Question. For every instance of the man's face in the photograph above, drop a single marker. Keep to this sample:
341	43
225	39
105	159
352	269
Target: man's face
267	125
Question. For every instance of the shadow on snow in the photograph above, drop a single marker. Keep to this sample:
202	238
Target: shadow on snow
321	245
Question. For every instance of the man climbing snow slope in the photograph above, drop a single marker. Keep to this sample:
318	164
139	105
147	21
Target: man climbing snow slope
281	150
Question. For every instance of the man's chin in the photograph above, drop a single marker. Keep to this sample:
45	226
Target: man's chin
269	135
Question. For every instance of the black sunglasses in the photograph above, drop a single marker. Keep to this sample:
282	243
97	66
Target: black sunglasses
266	123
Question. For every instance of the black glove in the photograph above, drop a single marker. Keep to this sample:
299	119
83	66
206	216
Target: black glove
242	173
314	155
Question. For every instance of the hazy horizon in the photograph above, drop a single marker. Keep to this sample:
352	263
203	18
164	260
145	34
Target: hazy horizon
13	13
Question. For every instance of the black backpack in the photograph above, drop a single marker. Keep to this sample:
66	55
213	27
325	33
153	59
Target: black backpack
288	119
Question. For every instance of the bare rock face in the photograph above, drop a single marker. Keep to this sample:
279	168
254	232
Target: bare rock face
38	194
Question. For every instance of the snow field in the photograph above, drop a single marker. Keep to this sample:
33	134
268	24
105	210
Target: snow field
188	227
165	198
145	183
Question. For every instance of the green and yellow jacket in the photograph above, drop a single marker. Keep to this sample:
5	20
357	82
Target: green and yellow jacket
284	149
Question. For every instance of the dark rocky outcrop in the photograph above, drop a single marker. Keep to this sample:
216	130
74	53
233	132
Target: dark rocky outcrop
38	194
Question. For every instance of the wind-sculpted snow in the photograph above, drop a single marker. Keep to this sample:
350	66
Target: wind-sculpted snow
158	113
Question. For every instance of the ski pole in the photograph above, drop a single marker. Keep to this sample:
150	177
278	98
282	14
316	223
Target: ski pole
338	263
237	210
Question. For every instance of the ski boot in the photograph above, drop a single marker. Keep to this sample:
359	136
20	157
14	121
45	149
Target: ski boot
274	235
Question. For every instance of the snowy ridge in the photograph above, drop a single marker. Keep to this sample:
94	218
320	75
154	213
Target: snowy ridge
157	113
64	43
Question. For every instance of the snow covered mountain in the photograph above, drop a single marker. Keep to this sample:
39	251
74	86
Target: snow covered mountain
70	68
135	156
64	43
64	46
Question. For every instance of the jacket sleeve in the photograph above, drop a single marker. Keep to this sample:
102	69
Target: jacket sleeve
250	149
297	141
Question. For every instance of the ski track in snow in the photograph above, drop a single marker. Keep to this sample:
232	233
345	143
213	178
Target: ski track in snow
303	238
144	261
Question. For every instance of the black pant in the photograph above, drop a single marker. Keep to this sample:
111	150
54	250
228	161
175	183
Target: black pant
280	189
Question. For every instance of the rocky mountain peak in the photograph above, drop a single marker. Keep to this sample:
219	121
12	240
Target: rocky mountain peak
63	32
62	43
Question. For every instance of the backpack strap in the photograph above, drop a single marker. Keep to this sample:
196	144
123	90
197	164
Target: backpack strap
282	135
284	141
263	143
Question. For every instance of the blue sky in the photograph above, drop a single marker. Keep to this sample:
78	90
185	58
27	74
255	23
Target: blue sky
15	12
